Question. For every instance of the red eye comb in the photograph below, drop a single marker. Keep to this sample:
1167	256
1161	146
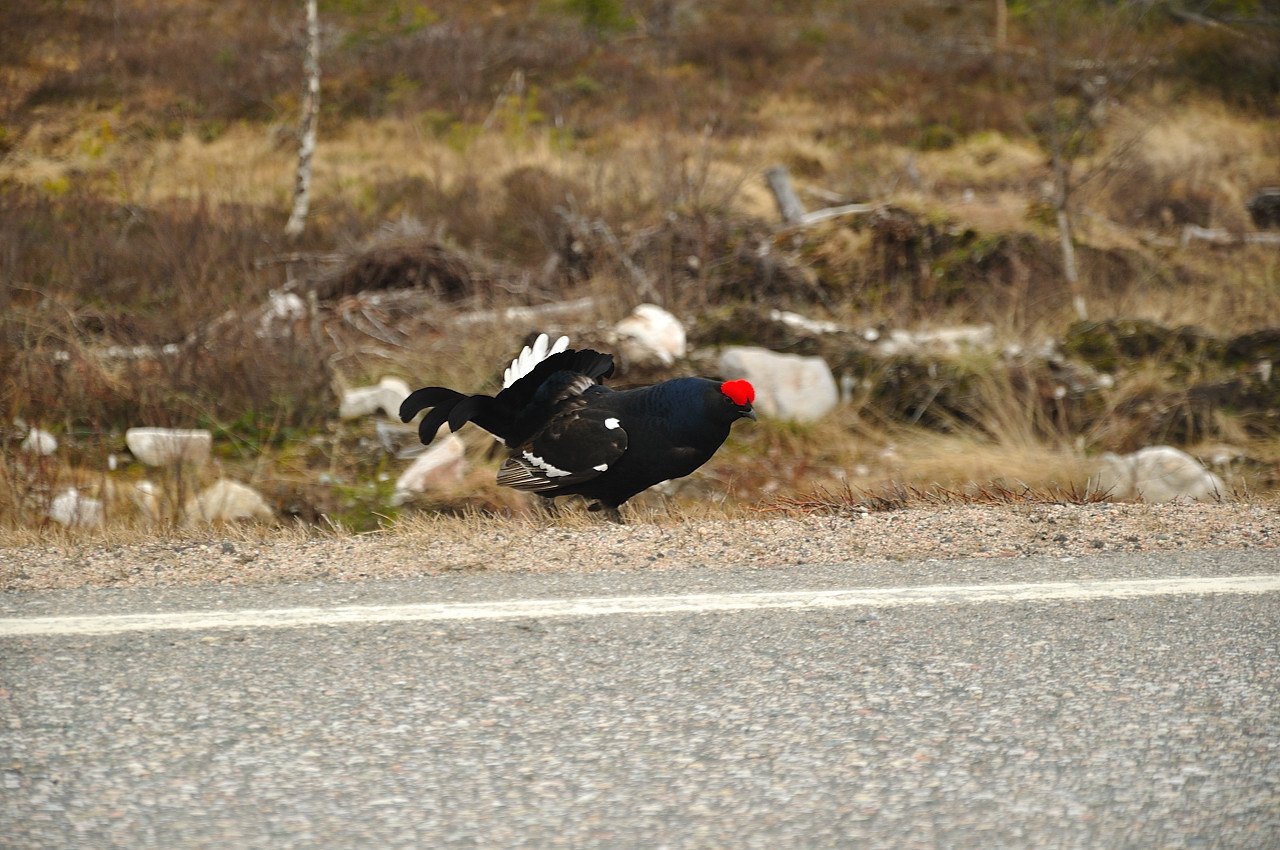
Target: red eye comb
741	392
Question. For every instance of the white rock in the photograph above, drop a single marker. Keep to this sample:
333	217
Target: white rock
386	396
1157	474
167	446
226	500
787	386
73	508
282	309
650	335
40	442
441	465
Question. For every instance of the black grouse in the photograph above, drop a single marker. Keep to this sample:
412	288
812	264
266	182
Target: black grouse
570	435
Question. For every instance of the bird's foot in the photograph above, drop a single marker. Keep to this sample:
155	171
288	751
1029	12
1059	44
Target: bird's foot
610	512
547	507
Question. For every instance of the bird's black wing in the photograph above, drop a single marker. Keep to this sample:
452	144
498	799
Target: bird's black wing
575	445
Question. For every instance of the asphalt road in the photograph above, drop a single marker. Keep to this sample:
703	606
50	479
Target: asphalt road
1089	720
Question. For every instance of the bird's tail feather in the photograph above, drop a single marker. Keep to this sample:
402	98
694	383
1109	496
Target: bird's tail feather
473	409
453	407
442	402
419	400
431	423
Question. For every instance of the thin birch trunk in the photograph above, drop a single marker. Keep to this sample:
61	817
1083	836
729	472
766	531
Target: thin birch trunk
1069	264
307	132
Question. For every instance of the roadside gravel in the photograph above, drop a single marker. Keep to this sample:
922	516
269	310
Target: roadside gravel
432	547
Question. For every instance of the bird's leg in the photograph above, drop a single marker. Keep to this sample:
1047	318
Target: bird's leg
610	512
547	507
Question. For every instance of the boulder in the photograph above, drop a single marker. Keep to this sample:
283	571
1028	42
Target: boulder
441	465
1157	474
788	386
73	508
650	336
169	446
386	396
225	500
40	443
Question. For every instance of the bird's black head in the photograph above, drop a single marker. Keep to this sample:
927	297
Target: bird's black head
692	406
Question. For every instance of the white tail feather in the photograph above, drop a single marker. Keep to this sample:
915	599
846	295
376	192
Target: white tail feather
531	357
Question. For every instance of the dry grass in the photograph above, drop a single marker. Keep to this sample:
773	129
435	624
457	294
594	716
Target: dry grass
849	500
1170	161
958	461
122	532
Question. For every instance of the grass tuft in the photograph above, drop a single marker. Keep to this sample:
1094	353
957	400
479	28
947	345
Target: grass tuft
896	497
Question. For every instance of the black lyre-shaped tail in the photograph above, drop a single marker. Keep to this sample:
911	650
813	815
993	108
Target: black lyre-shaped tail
442	399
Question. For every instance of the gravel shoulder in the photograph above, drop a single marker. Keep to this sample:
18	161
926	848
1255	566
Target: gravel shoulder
436	547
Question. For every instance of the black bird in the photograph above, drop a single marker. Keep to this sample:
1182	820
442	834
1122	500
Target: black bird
570	435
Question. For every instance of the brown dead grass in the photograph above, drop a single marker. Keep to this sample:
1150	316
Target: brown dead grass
1186	162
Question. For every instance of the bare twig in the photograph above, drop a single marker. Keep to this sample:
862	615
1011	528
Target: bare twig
642	281
1218	236
524	314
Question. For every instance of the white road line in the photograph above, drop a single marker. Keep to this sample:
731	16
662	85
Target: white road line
519	609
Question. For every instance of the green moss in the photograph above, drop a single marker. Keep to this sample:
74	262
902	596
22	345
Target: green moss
365	506
937	137
1108	345
603	16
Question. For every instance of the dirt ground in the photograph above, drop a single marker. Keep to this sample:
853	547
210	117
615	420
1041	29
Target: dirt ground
442	545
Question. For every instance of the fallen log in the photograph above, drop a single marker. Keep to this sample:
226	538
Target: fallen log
792	210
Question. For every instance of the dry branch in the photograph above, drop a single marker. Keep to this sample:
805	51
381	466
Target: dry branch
792	211
1225	238
524	314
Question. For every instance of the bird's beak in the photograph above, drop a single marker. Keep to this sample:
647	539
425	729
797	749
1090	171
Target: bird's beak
750	413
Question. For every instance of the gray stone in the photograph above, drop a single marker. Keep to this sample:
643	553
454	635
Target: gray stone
649	336
788	386
1157	474
385	396
73	508
226	500
40	442
442	465
168	446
